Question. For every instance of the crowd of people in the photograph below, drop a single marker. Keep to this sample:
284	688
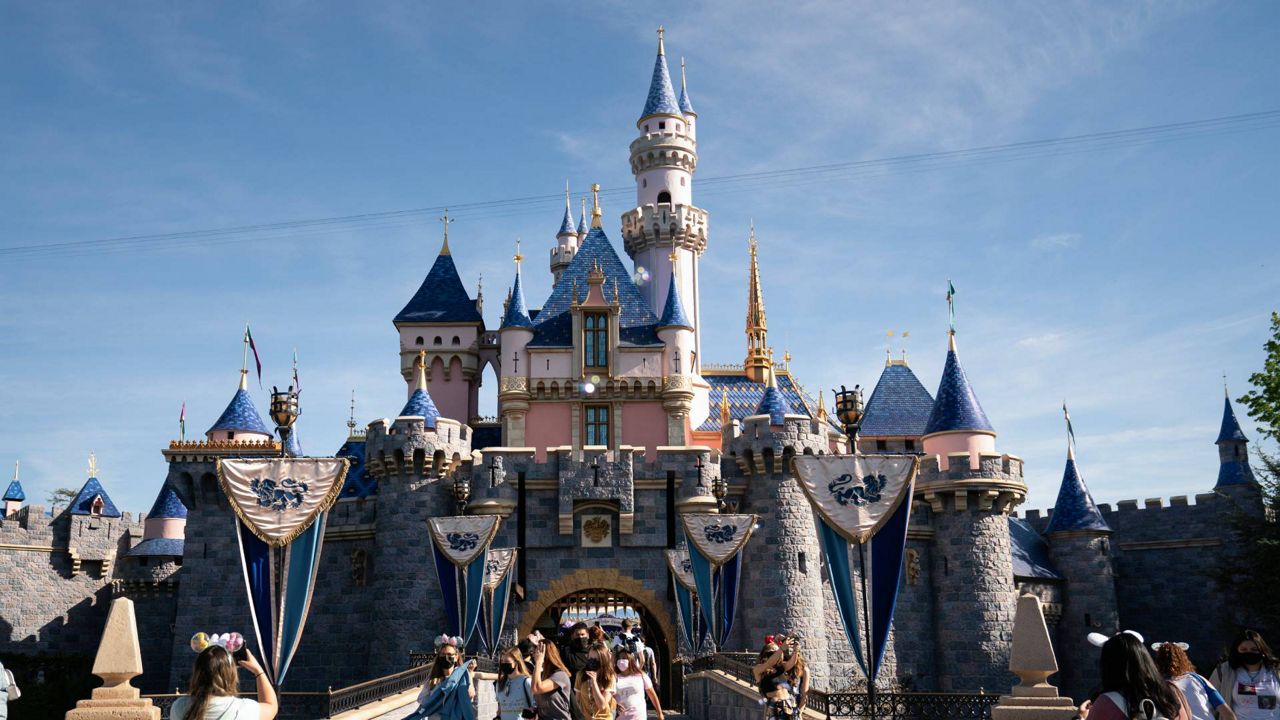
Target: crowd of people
1137	685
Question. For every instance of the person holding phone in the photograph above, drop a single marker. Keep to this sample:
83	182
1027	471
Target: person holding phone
594	687
551	684
214	684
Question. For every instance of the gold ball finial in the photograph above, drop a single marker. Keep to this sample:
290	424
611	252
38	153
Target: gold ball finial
595	205
93	465
517	257
661	49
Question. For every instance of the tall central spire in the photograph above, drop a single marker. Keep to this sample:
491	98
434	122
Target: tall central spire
757	363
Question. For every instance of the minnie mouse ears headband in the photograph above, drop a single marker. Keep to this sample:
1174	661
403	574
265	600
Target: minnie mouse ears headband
230	642
1157	645
443	640
1098	639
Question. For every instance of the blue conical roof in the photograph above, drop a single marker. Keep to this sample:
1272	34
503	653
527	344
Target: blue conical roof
517	315
686	106
167	505
1230	426
662	96
83	504
14	492
441	298
774	404
566	225
582	221
1075	509
421	405
956	407
240	415
899	406
673	313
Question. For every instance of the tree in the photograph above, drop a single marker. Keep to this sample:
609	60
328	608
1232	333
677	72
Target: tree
1263	402
60	496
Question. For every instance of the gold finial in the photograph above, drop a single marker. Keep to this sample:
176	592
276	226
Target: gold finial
445	220
93	465
724	408
351	421
822	405
517	257
661	49
422	371
786	359
615	292
595	205
757	327
575	291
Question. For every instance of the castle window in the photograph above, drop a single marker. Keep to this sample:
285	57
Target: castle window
457	340
664	197
597	425
644	182
662	126
595	340
882	446
418	341
804	564
910	446
682	181
438	341
231	436
646	127
679	127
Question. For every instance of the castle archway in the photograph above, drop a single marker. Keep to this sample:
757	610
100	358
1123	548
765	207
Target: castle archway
611	593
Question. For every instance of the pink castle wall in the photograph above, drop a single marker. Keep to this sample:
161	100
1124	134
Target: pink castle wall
547	425
452	398
644	424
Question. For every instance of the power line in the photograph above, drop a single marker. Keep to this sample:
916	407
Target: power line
720	185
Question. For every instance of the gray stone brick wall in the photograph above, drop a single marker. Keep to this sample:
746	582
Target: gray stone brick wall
1088	605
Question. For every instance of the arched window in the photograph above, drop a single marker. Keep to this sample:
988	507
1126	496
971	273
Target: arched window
595	337
418	341
438	341
457	340
664	197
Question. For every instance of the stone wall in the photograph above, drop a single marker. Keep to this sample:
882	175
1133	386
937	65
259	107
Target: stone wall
711	695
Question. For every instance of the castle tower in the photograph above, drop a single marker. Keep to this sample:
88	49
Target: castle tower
1233	452
442	320
970	489
758	364
240	422
783	552
676	332
567	240
663	160
413	458
149	576
14	495
1080	545
897	413
516	332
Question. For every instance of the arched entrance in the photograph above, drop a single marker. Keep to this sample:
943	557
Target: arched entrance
608	600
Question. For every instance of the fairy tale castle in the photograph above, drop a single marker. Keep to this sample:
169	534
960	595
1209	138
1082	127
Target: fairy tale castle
610	423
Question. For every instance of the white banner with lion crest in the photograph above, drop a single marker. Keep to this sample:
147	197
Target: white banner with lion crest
715	542
460	544
279	498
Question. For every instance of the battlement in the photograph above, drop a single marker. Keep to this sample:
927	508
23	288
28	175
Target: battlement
665	148
209	450
1148	508
754	442
995	485
657	225
407	447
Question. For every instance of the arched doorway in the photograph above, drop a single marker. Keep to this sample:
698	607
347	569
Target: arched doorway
604	602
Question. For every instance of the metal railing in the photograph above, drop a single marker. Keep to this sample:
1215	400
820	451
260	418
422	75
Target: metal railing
889	705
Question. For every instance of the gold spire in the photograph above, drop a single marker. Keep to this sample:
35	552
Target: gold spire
445	220
724	408
422	371
93	465
595	202
596	275
822	406
661	49
758	360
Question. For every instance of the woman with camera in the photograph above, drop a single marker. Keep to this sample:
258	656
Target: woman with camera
772	674
594	687
214	685
551	684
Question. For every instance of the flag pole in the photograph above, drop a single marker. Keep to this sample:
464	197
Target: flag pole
244	363
863	550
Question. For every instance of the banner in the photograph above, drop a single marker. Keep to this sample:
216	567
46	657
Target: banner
863	505
459	544
686	605
499	580
714	544
281	509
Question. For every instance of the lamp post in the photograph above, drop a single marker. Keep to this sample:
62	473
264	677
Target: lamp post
850	412
461	490
284	412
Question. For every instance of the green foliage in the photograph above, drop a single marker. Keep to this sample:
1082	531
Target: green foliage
60	496
1263	402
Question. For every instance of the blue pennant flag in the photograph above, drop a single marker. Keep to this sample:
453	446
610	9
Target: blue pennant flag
460	548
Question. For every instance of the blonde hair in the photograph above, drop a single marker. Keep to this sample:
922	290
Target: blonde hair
519	669
213	675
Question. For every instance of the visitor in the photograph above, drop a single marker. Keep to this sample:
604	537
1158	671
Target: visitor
447	694
633	687
213	686
798	676
1130	681
551	685
512	686
577	647
594	687
5	684
770	673
1202	698
1247	680
596	634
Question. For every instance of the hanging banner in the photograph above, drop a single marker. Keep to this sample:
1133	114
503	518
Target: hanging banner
499	580
459	544
681	568
714	544
686	611
281	509
863	506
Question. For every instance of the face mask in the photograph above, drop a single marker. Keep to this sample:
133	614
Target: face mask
1250	658
507	668
581	644
636	632
623	665
451	660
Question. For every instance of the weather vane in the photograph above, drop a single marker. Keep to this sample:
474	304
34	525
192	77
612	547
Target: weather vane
93	465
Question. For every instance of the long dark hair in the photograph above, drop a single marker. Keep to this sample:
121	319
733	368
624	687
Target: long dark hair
1233	653
213	675
1127	668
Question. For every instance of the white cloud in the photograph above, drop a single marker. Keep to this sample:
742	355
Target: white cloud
1056	241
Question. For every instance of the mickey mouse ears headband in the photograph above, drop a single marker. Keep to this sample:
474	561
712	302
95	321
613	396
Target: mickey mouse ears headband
1098	639
1157	645
443	640
230	642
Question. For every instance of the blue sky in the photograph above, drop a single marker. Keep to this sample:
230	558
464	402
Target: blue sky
1125	279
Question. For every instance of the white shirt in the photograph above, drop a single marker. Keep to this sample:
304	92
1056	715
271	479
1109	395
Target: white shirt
1256	694
630	696
218	708
1200	695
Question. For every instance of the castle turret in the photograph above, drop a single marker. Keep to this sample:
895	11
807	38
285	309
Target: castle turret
686	105
513	391
970	489
676	332
897	413
1080	546
567	240
240	422
442	320
1233	452
582	221
149	575
14	495
663	160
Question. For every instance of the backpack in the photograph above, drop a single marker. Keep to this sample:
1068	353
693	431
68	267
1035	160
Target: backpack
1147	709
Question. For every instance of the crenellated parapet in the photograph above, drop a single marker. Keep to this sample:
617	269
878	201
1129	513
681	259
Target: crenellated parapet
406	449
665	148
995	484
658	226
759	447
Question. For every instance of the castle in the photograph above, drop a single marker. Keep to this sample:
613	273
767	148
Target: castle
610	423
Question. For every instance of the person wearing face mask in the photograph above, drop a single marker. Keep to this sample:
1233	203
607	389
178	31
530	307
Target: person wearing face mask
594	687
1248	680
633	687
513	687
579	645
447	694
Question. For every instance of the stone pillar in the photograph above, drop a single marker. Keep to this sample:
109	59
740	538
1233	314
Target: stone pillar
118	661
1033	660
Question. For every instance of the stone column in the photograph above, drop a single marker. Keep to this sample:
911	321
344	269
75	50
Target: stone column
1033	660
118	661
